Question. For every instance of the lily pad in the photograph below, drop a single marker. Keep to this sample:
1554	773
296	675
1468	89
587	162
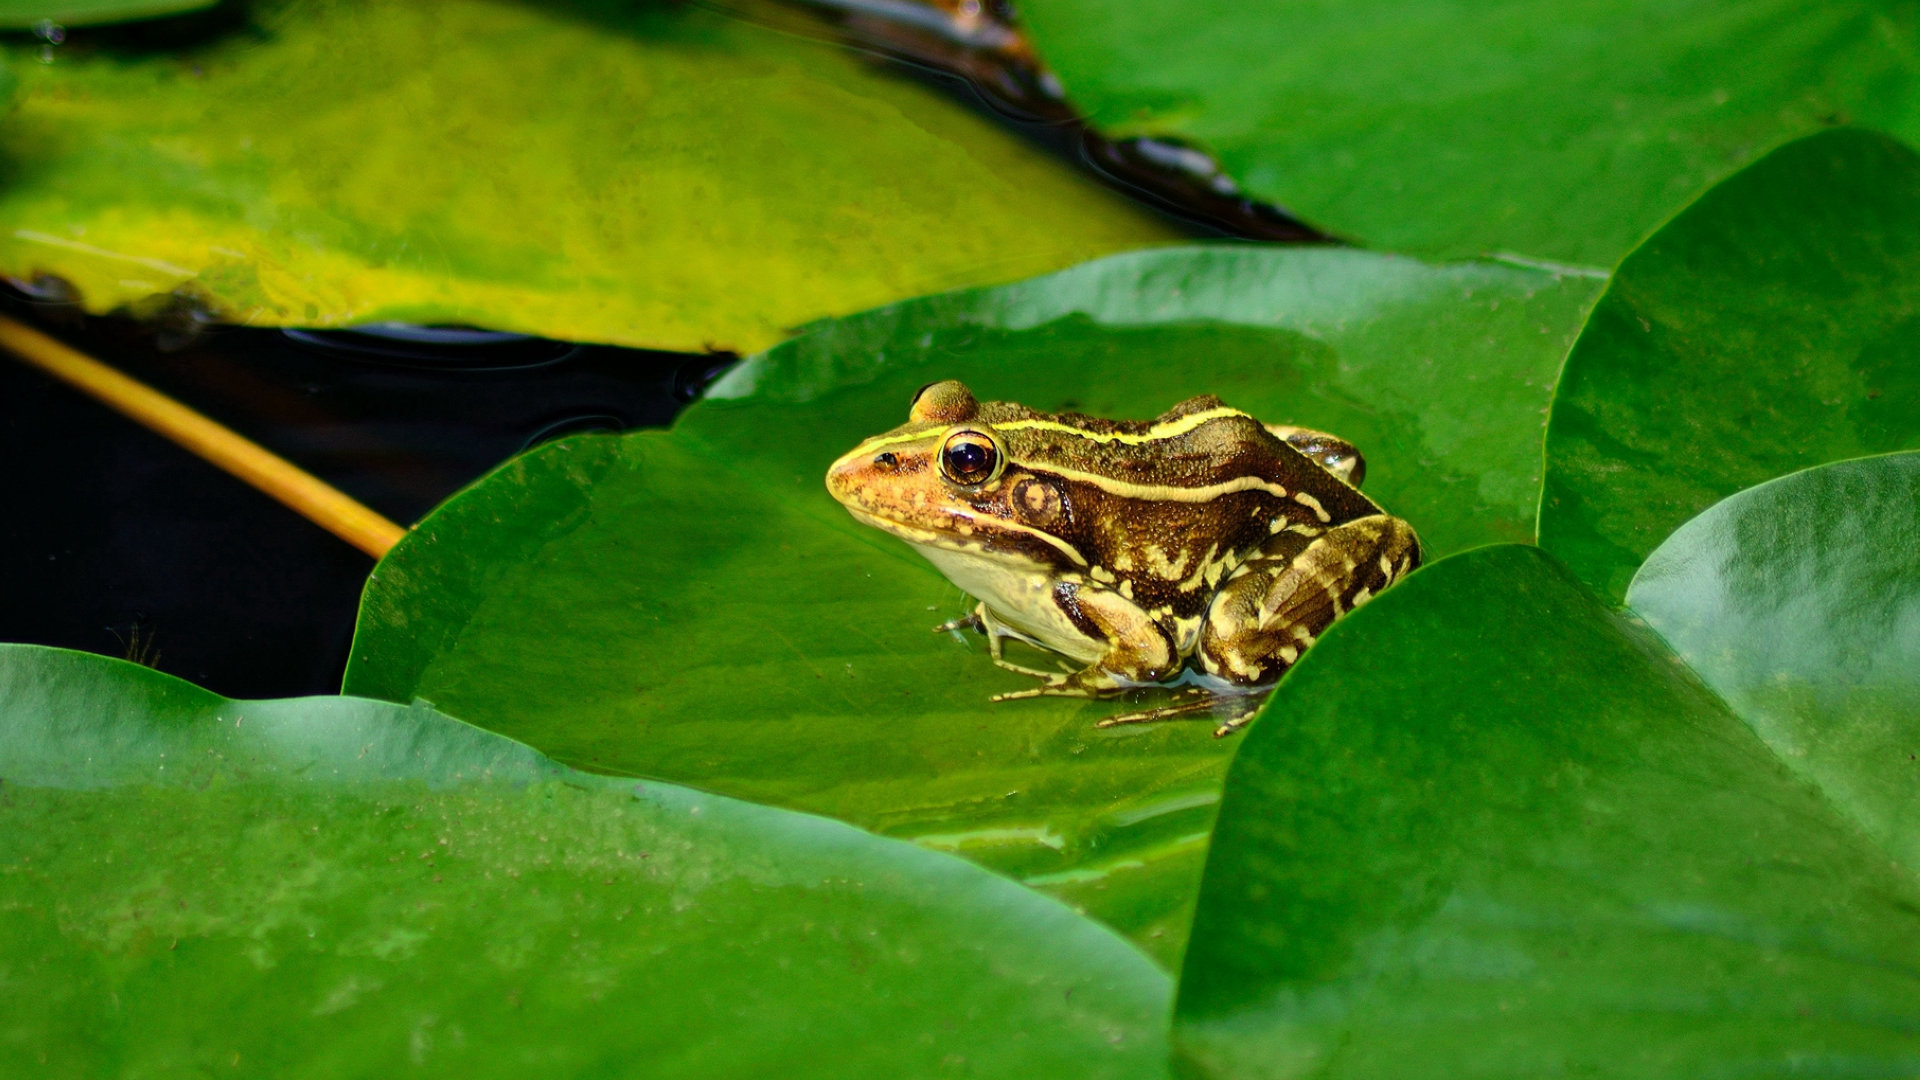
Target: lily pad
1798	601
654	175
1773	326
1443	129
1488	827
23	13
332	887
691	605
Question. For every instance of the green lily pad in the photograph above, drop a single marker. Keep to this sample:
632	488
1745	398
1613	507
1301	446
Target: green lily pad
332	887
1489	828
691	605
1798	601
23	13
654	175
1772	326
1446	130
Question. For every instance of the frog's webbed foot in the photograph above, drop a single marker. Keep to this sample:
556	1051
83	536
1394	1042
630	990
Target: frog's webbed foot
1202	704
1198	702
1092	682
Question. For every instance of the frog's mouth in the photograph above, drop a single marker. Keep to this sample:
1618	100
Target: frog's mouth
912	534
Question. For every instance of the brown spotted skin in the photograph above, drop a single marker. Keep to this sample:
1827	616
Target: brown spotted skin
1278	603
1203	535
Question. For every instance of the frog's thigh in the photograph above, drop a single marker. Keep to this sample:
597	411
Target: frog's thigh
1279	601
1330	452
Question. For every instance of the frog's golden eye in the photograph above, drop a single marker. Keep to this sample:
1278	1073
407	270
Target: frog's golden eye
970	458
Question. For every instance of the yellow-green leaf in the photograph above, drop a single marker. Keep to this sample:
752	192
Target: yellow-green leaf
658	176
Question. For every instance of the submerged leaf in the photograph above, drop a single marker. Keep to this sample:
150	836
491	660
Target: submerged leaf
1562	131
340	888
693	606
1772	326
653	175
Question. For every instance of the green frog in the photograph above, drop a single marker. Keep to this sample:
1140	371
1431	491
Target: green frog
1202	545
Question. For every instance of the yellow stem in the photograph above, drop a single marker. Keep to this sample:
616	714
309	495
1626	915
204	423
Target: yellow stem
308	495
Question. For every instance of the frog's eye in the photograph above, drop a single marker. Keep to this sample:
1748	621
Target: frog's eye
970	458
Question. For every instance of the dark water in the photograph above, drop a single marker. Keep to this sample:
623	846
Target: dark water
116	541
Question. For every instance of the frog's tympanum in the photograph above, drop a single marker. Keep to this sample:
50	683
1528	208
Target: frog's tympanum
1203	539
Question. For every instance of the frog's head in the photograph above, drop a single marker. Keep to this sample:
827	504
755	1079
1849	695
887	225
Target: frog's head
946	479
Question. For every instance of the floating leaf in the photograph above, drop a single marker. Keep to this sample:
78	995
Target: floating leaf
1489	828
1562	131
691	605
652	175
1772	326
337	887
1798	601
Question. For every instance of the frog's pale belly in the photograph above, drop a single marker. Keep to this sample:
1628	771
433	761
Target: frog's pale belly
1019	596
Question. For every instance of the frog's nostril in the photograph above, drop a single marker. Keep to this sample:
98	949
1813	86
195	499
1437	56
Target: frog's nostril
886	461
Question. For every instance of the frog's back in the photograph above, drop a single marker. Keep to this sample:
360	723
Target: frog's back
1169	506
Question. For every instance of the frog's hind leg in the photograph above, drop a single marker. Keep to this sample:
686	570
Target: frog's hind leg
1330	452
1279	601
1202	705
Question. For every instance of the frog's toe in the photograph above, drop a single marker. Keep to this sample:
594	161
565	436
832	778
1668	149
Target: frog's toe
1015	695
1038	673
969	621
1055	686
1199	705
1235	723
1086	683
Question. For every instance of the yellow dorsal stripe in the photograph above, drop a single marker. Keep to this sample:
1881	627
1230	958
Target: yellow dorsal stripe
1166	493
877	442
1169	430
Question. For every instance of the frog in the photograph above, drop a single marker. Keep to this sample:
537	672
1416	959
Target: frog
1203	550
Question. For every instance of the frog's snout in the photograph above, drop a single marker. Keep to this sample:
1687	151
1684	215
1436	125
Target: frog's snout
856	471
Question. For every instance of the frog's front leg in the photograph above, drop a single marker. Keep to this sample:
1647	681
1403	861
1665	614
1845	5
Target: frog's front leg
1138	650
982	618
1281	599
